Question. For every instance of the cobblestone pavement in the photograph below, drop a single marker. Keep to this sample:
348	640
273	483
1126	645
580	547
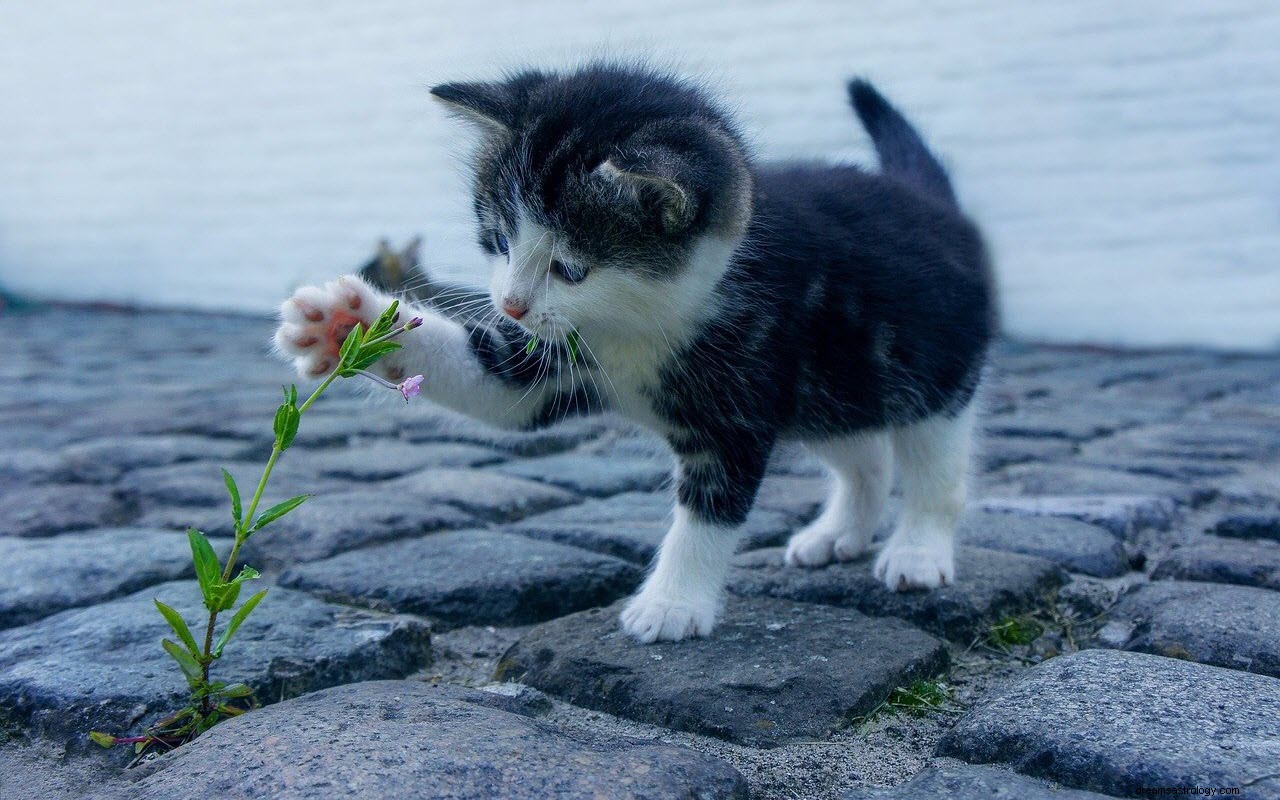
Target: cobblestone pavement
443	614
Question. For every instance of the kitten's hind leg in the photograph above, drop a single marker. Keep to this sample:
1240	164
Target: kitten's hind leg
862	470
933	465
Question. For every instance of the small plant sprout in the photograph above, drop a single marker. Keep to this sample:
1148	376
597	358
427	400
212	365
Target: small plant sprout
220	585
917	698
1015	632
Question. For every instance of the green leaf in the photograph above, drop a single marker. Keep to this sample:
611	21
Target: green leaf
225	594
278	510
234	625
350	346
102	739
382	326
237	511
368	355
572	341
531	346
179	626
238	689
208	721
208	571
190	668
285	425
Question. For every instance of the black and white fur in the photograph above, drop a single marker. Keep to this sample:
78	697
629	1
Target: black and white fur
725	304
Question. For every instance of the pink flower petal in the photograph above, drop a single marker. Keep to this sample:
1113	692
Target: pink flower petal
412	387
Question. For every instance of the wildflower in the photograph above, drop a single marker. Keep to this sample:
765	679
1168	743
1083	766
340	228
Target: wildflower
412	387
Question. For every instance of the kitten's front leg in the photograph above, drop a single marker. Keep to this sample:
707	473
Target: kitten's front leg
683	594
468	370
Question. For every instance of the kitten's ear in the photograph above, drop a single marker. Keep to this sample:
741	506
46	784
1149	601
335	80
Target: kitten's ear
494	105
485	103
649	177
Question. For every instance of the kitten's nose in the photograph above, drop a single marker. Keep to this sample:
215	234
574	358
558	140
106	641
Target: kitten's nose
514	308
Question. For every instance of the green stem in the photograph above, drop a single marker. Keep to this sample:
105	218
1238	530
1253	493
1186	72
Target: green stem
206	704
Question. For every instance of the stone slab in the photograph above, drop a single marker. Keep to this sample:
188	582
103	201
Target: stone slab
772	671
1123	515
990	585
383	459
102	668
1074	545
1237	627
471	577
43	576
1119	723
972	782
487	495
1223	561
595	475
385	739
631	526
53	508
341	521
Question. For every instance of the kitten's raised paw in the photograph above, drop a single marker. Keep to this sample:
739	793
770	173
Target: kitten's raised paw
904	567
651	618
316	320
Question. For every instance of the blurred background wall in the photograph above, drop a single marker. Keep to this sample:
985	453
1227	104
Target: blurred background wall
1123	156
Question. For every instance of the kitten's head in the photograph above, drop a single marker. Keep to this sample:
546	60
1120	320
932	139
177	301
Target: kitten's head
608	197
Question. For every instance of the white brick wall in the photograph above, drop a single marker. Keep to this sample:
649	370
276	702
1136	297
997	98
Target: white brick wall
1123	156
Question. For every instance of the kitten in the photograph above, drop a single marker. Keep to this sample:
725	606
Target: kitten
645	264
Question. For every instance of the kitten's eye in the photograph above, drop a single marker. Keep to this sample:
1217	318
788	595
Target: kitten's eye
569	273
500	243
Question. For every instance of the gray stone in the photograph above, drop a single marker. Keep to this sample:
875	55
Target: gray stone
772	671
380	459
631	526
1228	626
436	425
1224	561
199	483
53	508
972	782
405	738
470	578
1203	440
1119	723
1075	545
1069	479
340	521
487	495
101	668
1070	426
214	522
998	452
990	585
1123	515
105	460
1254	525
29	465
593	474
44	576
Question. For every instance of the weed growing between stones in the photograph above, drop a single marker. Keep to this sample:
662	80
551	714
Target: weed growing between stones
213	701
917	698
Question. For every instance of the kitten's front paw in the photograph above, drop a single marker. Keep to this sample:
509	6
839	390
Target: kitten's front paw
818	545
650	618
316	320
903	567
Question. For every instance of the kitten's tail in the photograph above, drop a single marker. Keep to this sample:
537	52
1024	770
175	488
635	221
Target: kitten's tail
903	154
